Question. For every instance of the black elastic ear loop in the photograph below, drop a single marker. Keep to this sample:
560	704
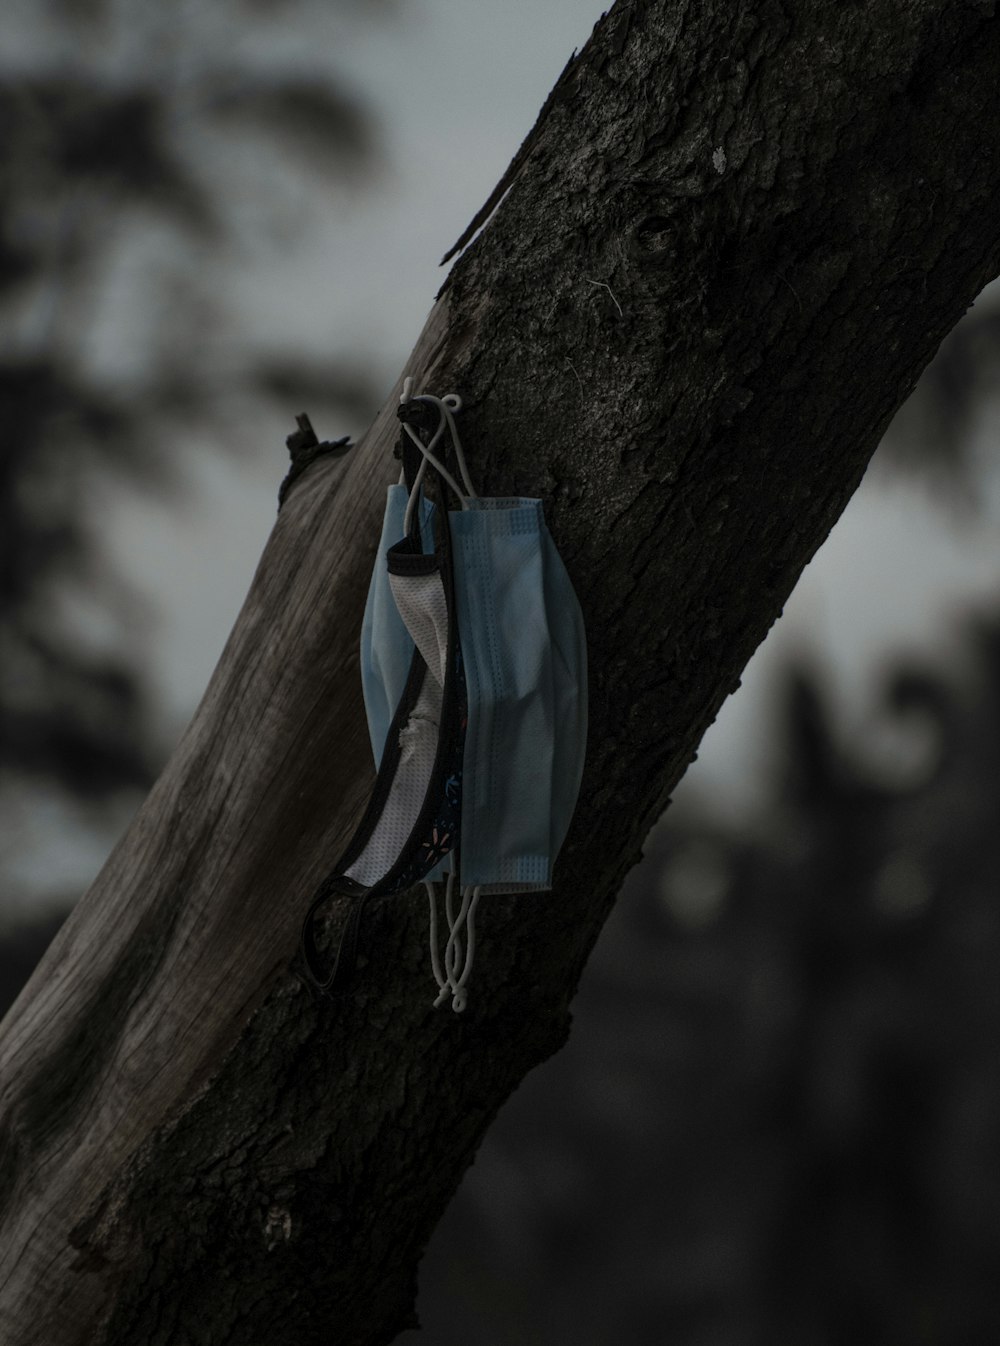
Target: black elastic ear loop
346	945
416	414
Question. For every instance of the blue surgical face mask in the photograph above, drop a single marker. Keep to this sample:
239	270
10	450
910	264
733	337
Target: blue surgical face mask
474	673
386	644
525	663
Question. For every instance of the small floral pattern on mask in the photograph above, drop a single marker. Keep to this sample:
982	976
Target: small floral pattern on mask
445	828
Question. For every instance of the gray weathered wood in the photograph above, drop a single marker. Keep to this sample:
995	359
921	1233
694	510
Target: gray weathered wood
735	240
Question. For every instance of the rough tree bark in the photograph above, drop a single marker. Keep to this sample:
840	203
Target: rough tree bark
736	238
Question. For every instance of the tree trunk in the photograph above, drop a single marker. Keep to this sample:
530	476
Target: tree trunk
734	240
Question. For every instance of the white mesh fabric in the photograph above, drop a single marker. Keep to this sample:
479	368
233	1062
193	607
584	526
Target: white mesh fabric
424	608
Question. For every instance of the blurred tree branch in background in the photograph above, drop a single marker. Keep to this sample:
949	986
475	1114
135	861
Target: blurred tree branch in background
114	121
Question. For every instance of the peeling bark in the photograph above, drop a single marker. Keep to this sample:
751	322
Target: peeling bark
725	255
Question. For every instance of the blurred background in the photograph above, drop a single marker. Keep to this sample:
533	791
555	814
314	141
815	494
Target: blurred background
778	1118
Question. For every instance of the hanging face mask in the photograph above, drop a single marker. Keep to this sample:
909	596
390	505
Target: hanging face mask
386	643
474	675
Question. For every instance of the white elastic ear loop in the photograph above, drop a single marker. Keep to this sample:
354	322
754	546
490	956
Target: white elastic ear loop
427	455
439	976
453	951
427	451
452	977
446	406
453	948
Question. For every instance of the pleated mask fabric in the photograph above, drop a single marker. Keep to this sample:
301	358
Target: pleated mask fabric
525	658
